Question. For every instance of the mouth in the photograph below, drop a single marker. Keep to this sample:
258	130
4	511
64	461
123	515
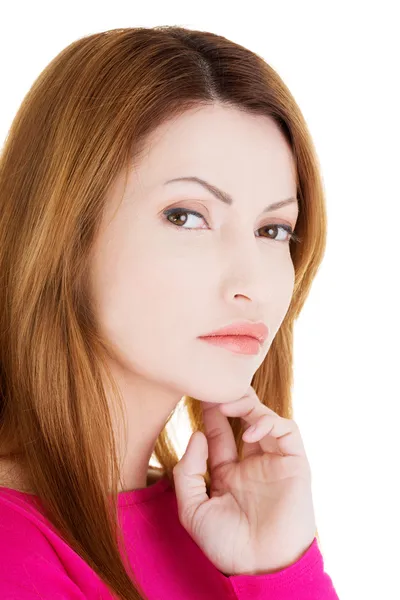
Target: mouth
238	344
257	330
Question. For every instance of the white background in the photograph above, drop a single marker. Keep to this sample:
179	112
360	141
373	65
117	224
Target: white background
341	62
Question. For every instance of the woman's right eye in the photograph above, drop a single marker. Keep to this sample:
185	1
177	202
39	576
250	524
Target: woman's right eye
178	212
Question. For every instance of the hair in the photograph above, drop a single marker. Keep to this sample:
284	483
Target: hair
85	119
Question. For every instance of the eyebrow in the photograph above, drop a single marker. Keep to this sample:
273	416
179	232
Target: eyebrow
227	198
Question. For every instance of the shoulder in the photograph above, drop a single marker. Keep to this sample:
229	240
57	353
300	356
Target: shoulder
34	560
24	531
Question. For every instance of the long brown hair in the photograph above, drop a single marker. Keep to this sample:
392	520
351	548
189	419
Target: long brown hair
85	119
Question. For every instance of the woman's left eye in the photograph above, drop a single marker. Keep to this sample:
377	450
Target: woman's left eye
173	212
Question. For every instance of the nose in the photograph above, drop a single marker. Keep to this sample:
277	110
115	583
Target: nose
244	278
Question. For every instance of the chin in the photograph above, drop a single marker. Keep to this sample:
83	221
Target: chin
222	391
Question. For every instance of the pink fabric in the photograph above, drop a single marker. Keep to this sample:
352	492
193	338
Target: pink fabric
36	563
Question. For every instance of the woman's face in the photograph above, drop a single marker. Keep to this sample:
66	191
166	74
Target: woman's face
162	281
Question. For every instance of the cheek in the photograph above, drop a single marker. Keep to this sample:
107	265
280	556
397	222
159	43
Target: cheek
160	289
152	308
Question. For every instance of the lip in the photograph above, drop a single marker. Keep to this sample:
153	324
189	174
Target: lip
258	330
239	344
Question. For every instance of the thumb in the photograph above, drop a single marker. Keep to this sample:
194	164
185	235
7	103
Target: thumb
190	485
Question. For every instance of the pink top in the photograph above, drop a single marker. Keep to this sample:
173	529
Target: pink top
36	563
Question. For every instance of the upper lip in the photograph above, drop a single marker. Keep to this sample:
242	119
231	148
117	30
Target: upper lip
248	328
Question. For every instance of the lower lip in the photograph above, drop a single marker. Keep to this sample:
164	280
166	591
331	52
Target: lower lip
241	344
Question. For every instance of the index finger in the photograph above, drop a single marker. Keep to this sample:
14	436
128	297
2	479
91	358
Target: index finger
220	437
248	407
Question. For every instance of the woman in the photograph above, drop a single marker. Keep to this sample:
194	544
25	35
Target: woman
150	186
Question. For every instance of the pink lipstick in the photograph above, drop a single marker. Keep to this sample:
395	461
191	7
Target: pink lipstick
240	344
244	337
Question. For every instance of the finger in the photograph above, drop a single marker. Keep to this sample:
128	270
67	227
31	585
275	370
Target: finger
248	407
278	435
249	448
221	440
190	485
237	408
251	411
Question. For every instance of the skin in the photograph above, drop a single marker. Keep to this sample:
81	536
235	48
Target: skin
159	285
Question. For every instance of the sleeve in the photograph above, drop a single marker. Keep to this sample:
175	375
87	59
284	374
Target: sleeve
29	567
304	580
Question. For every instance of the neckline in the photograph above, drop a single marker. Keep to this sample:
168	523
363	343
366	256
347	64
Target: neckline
125	498
130	497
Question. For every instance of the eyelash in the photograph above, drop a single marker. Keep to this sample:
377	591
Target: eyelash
174	211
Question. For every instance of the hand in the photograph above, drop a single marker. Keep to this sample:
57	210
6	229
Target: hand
260	516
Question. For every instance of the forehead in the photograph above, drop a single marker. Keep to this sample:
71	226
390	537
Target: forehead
221	144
